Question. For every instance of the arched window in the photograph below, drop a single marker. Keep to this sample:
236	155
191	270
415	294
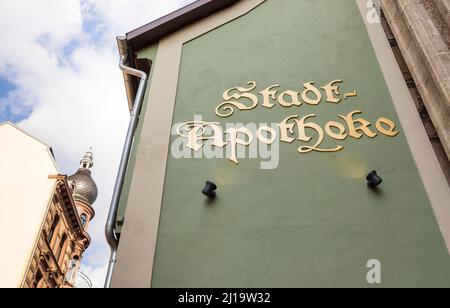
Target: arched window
83	220
53	228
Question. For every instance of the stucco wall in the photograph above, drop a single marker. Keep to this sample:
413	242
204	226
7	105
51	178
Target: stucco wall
312	221
25	192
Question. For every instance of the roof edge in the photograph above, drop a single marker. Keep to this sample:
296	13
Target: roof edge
49	148
166	25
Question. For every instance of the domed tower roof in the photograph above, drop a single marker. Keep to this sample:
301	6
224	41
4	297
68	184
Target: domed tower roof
85	188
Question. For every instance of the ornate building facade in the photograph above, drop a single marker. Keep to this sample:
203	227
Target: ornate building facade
63	237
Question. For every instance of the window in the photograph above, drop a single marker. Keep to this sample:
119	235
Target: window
38	280
53	228
83	219
60	247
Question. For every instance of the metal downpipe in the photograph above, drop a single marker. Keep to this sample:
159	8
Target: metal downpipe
111	221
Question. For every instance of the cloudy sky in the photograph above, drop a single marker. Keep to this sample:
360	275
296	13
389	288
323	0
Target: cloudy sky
59	80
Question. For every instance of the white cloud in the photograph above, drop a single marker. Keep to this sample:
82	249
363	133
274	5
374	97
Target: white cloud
61	57
95	274
122	17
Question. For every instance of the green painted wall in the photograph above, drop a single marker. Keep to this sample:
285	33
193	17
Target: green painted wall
311	222
147	53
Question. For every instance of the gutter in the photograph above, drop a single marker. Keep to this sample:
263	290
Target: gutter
124	52
135	108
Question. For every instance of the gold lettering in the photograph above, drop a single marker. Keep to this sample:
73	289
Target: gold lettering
195	131
235	141
391	132
364	127
303	137
270	131
330	90
341	135
269	94
310	88
241	98
286	129
294	100
351	94
229	105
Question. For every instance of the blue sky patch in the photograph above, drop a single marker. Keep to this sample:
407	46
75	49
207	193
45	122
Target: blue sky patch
5	87
71	47
7	114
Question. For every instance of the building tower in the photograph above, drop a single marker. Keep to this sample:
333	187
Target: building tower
84	192
63	238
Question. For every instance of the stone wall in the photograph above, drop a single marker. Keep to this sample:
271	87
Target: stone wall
421	43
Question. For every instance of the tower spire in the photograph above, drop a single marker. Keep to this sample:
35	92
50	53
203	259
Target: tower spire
85	188
88	160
